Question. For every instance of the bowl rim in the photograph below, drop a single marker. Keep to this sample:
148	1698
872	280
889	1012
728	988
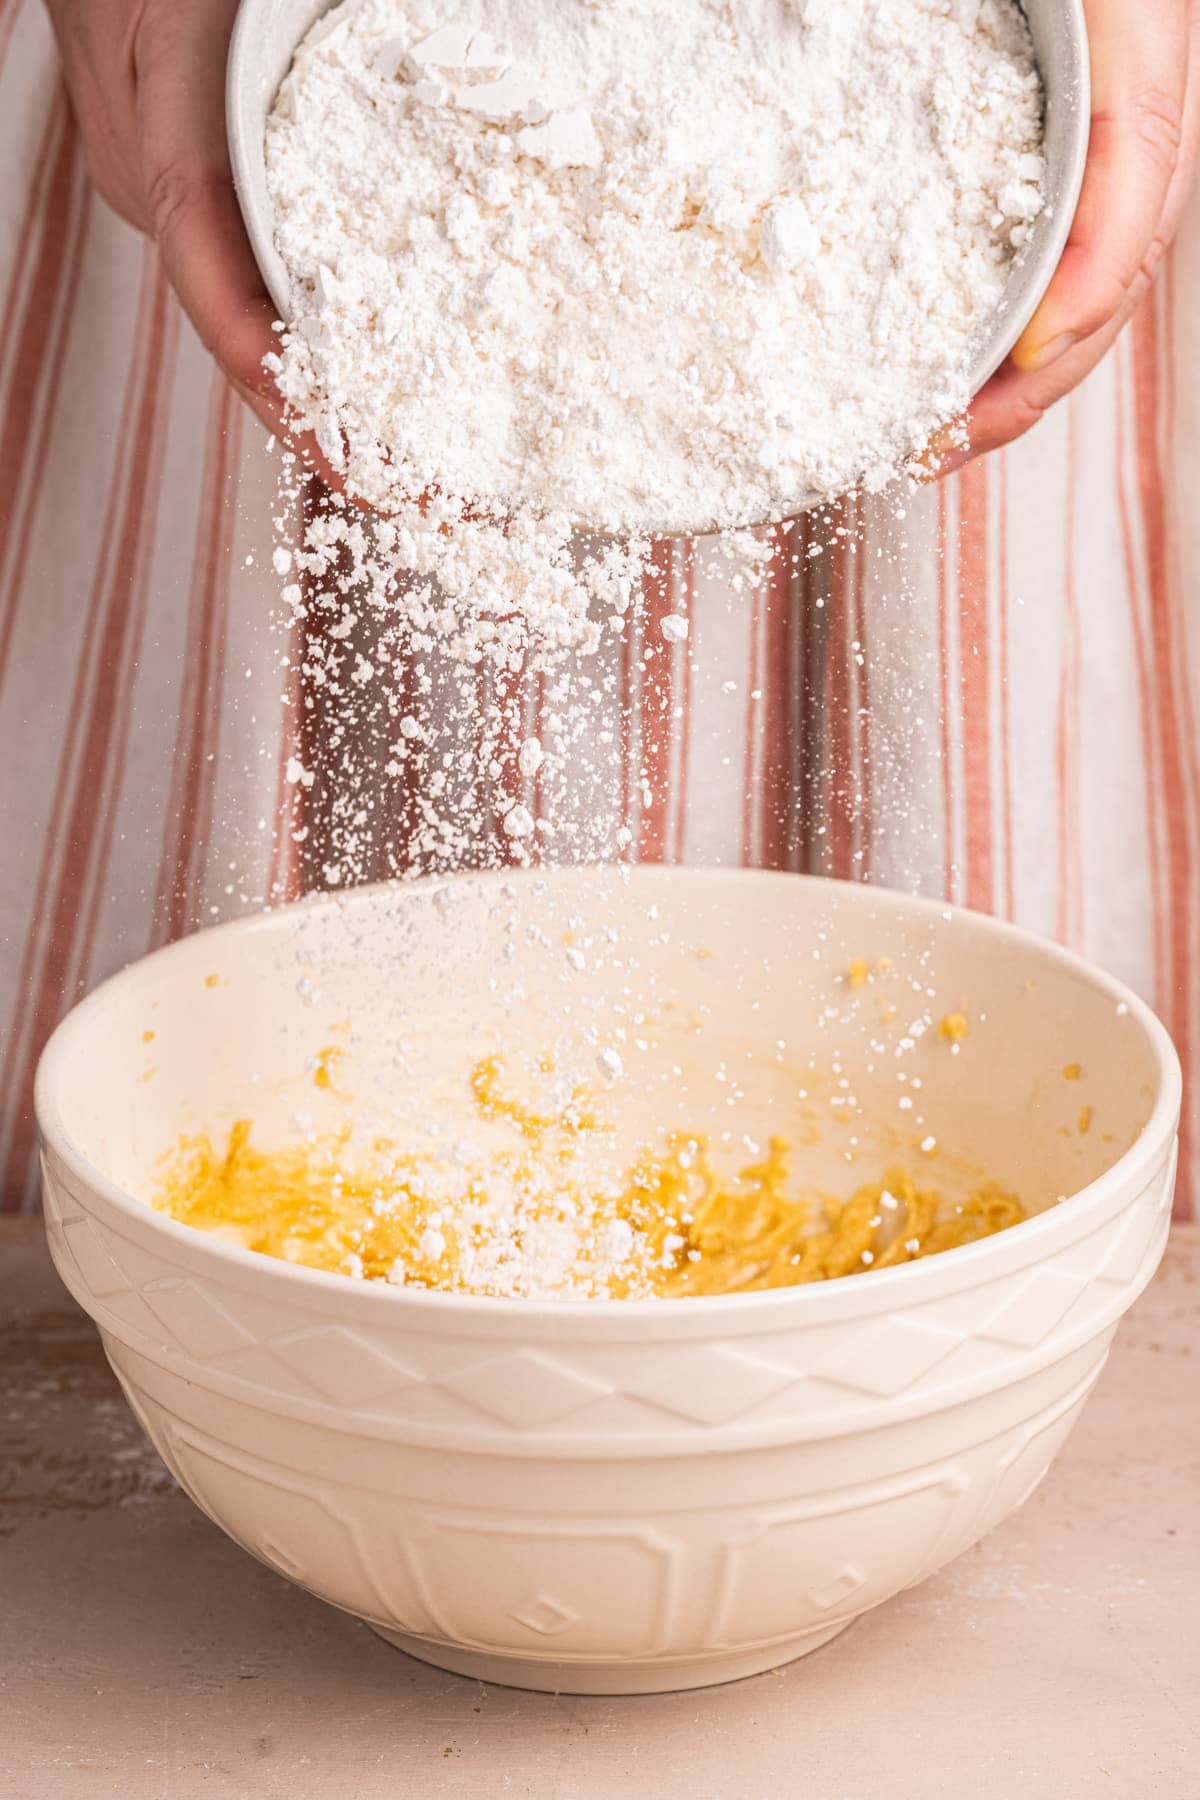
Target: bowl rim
1132	1170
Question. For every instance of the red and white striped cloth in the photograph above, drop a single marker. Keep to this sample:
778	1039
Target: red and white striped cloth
998	702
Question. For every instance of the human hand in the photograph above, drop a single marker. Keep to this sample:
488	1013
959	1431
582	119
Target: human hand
147	82
1145	58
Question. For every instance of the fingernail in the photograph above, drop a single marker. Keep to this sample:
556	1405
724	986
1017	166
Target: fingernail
926	469
945	451
1031	362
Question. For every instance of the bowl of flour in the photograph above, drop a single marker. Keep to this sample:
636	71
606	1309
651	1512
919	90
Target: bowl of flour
663	266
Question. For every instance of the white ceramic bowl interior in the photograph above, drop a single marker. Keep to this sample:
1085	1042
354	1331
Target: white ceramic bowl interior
608	1496
267	32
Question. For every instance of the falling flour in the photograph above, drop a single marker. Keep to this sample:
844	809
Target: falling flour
564	277
644	265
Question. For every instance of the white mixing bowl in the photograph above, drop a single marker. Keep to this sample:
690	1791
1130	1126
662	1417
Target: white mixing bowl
618	1496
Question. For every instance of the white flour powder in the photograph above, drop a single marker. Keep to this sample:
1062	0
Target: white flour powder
640	263
630	264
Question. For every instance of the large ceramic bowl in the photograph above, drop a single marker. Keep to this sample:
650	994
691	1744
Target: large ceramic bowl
619	1496
267	32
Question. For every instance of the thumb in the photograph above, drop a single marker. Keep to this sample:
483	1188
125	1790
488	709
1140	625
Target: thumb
1139	76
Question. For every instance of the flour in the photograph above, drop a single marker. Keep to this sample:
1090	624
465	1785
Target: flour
623	264
646	264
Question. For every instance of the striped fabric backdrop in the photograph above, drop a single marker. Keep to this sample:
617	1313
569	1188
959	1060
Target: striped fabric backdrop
996	699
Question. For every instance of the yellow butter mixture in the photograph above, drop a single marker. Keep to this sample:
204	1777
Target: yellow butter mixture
530	1221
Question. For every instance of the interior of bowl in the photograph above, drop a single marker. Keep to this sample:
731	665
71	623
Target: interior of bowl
740	1006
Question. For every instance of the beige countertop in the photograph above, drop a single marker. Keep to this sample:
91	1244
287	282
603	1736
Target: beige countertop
142	1654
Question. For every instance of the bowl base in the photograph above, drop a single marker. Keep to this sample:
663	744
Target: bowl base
609	1678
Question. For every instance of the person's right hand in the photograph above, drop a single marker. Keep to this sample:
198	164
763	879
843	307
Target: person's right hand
146	80
1145	57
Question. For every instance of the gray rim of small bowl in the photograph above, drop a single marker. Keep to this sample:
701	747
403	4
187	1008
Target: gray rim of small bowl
1063	53
1135	1165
